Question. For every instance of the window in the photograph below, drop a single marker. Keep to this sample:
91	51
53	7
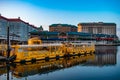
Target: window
90	29
99	30
20	50
0	29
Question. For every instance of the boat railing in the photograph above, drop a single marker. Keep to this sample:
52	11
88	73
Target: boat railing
41	45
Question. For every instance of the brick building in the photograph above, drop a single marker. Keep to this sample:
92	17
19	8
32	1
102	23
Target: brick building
87	31
62	28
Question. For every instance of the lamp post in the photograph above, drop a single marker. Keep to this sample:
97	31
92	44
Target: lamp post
91	37
8	53
8	43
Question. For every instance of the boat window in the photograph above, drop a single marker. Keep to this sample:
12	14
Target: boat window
26	54
45	48
13	50
36	42
52	49
83	45
34	49
37	49
80	45
20	50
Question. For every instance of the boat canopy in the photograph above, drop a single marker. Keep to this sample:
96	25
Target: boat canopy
41	45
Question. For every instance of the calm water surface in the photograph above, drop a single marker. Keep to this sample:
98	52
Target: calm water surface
103	65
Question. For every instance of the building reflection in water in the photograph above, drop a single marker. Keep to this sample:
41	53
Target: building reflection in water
104	56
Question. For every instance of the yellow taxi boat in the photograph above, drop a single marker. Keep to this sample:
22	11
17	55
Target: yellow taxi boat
36	50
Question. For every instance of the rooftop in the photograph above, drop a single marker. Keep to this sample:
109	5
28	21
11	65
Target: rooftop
1	17
43	32
63	25
16	20
96	23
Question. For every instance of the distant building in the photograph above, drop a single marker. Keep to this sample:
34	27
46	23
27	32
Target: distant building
62	28
40	28
3	27
98	28
71	36
19	29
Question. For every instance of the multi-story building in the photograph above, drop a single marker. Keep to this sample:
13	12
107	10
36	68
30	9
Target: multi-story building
72	36
87	31
98	28
19	29
3	27
46	35
62	28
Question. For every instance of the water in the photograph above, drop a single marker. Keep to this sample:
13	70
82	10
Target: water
103	65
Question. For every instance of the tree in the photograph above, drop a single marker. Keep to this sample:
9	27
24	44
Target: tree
40	28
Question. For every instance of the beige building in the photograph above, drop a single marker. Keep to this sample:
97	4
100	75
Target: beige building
98	28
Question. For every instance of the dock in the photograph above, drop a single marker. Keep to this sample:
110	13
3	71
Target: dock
2	58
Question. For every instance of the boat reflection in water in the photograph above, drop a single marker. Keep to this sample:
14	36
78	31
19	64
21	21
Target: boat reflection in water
104	56
42	67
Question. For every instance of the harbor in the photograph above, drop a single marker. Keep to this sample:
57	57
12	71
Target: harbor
38	57
36	50
101	61
59	40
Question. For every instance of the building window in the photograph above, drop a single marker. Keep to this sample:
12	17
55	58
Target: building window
99	30
0	29
90	29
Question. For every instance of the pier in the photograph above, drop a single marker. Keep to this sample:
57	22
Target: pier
2	58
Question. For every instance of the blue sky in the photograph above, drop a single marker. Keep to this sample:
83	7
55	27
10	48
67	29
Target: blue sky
46	12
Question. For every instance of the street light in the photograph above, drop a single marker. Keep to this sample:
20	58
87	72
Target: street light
8	41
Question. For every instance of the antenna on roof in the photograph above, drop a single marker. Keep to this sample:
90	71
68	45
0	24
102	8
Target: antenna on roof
18	17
